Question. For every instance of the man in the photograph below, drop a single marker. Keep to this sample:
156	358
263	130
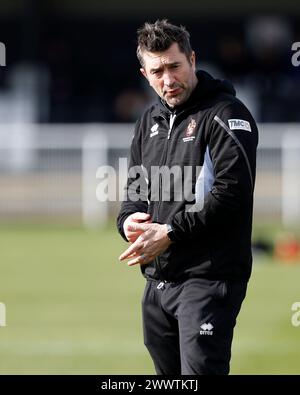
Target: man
195	251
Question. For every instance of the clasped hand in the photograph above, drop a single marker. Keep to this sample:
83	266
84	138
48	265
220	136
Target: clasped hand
148	239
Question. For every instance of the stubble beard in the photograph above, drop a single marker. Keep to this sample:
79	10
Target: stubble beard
179	99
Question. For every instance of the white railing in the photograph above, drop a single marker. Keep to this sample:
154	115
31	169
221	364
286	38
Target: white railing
49	172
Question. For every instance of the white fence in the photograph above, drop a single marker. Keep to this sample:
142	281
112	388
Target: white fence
49	172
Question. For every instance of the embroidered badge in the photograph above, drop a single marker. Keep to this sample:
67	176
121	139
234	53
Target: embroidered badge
190	130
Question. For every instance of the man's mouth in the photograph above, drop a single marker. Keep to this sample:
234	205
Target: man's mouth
173	92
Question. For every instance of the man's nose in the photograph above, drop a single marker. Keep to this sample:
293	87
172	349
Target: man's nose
168	79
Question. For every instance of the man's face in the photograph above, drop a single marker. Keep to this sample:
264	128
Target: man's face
170	74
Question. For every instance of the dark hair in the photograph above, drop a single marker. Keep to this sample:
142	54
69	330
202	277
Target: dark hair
159	36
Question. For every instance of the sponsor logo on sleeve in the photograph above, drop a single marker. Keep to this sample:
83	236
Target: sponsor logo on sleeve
239	124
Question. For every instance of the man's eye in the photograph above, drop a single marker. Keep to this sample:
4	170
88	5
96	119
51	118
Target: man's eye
157	74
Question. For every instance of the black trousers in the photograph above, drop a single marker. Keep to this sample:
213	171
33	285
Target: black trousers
188	326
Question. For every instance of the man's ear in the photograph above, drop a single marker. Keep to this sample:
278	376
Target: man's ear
193	59
143	71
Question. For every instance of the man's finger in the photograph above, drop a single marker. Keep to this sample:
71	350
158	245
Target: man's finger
133	227
133	255
130	250
141	259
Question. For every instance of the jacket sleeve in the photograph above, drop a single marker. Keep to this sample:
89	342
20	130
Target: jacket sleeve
231	138
136	189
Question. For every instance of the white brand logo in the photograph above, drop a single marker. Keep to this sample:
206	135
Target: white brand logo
206	329
154	130
239	124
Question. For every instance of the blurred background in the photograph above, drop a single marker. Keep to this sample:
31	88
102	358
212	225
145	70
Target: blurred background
70	91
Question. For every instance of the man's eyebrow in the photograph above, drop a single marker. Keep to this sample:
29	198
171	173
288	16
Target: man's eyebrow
165	64
155	69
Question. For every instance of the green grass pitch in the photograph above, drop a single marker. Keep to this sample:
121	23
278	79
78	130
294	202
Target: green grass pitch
73	308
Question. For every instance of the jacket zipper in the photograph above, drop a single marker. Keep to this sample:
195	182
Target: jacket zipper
165	154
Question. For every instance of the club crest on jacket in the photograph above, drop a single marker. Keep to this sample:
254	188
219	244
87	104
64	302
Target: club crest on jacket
190	130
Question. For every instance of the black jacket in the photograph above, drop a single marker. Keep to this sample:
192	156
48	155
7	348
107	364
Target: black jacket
214	133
